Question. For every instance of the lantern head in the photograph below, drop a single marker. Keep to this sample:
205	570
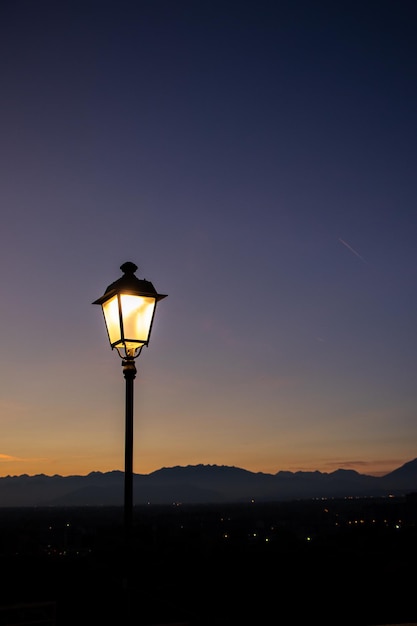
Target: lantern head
129	306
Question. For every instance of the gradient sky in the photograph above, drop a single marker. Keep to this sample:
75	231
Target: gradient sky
258	161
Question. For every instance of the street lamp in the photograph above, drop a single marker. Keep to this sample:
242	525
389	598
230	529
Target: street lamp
129	306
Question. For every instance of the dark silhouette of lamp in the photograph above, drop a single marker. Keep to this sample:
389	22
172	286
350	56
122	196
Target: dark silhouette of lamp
129	306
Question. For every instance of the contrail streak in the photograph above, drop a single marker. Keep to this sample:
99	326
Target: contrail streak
351	249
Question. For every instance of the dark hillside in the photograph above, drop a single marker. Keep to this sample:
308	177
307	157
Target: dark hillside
345	562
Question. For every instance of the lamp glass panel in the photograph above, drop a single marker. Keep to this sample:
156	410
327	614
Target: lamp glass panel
111	316
137	314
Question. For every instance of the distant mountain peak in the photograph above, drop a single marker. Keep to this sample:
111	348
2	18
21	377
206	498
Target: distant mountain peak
202	484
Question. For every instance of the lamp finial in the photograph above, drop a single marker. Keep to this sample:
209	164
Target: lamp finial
128	267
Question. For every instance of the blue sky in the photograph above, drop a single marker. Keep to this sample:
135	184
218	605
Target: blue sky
257	161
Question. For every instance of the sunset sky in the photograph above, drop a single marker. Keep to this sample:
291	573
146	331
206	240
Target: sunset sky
258	161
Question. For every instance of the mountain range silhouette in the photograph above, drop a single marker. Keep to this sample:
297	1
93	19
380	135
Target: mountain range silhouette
201	484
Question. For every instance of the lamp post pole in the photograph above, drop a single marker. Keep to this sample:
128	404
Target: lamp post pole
129	372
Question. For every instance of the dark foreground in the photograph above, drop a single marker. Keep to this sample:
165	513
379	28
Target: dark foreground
338	562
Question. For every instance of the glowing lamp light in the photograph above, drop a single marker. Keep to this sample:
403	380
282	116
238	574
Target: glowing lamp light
129	306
